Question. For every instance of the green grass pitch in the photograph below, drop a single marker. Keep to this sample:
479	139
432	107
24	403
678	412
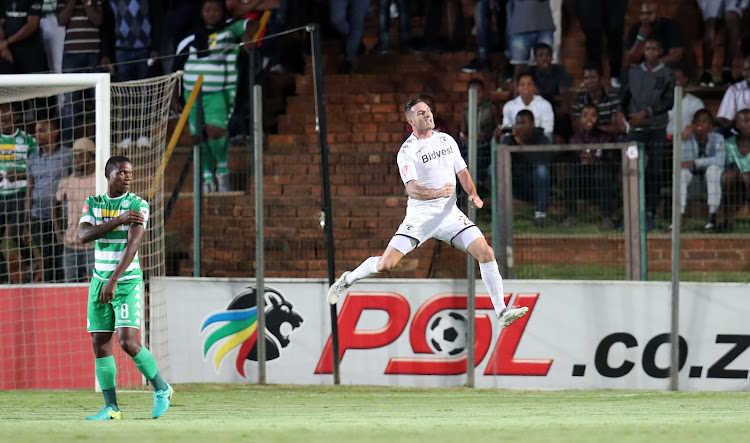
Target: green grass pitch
218	413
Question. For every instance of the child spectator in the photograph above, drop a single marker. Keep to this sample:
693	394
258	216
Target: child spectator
78	258
703	154
690	103
735	180
530	169
606	102
592	174
212	51
552	81
736	98
527	98
647	93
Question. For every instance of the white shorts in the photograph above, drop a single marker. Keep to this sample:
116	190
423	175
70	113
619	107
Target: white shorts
453	227
718	8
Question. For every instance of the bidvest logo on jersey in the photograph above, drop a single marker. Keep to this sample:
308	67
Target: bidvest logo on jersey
437	154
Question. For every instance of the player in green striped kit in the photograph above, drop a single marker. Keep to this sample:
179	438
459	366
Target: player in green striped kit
117	220
212	51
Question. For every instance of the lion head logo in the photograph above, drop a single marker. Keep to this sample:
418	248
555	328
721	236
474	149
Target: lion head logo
239	323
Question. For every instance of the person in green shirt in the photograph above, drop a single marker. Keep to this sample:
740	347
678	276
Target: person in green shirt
735	180
116	221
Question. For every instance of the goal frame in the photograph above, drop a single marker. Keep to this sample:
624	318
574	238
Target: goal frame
102	109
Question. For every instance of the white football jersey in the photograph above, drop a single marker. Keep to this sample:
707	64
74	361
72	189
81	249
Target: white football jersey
433	162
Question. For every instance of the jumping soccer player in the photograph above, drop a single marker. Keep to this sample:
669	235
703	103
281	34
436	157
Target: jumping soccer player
117	221
429	162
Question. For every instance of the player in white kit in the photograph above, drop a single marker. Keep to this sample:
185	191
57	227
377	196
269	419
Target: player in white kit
429	162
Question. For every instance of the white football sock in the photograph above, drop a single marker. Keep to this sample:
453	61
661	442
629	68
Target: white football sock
368	268
494	283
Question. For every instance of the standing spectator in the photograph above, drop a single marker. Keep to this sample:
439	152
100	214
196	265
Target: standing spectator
46	167
553	81
20	39
530	169
454	17
735	180
82	52
348	18
529	24
736	98
384	27
53	37
17	146
527	98
690	103
212	51
484	36
607	16
714	12
607	103
180	17
665	30
647	94
78	258
137	33
593	172
488	118
703	154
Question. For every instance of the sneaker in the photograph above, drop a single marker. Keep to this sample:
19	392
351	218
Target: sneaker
222	180
479	64
162	400
125	143
511	314
726	77
107	413
711	225
379	49
338	289
707	80
615	82
208	187
568	222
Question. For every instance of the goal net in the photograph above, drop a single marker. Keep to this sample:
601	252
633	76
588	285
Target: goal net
57	133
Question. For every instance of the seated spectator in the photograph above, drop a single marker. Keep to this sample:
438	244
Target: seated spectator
736	98
531	178
715	12
703	154
735	180
592	173
78	258
529	23
46	167
647	92
690	103
488	118
663	29
553	81
607	102
384	27
527	98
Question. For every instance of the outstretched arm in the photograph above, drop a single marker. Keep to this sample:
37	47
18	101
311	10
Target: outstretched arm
468	184
418	192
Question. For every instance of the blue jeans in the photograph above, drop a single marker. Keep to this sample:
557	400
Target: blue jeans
541	187
348	18
72	101
125	71
384	23
521	45
78	264
484	27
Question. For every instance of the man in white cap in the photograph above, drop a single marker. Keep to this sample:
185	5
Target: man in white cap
78	258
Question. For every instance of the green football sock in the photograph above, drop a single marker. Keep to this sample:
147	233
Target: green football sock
106	373
146	364
207	162
219	150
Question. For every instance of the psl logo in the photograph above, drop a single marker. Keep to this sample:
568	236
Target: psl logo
434	333
239	322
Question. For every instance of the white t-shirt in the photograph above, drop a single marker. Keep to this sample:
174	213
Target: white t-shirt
432	162
544	117
690	105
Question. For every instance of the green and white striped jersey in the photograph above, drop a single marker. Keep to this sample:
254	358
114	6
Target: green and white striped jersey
108	250
14	152
219	63
49	6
